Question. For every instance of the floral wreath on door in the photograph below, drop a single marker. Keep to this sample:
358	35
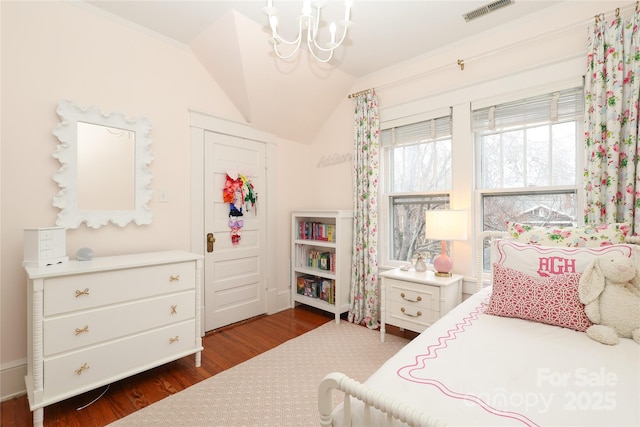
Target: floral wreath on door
241	196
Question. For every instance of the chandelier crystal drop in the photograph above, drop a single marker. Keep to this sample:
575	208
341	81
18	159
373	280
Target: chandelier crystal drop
308	23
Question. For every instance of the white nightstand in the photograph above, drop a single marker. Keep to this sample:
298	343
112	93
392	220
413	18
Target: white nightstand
414	300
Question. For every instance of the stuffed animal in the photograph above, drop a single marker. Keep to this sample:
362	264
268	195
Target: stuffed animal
610	290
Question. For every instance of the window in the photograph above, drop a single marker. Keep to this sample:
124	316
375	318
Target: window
528	160
417	178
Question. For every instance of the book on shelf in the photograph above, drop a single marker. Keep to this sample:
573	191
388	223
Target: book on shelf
317	287
328	290
315	258
313	230
324	258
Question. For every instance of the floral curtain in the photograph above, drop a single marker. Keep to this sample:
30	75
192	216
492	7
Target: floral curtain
611	122
364	301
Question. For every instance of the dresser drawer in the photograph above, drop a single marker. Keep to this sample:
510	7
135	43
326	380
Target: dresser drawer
74	372
68	332
83	291
418	295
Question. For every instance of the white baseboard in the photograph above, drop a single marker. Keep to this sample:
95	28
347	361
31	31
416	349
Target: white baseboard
278	300
284	300
12	379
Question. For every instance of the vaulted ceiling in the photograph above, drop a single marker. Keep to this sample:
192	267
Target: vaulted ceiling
230	40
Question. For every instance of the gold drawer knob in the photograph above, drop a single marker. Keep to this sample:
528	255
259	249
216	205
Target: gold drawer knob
82	369
80	293
418	299
82	330
174	309
418	314
175	278
174	339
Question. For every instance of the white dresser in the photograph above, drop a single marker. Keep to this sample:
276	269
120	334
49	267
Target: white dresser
91	323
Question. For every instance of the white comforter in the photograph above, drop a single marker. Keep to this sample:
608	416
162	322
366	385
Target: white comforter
473	369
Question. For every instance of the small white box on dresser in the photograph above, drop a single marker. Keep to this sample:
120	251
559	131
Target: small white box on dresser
44	246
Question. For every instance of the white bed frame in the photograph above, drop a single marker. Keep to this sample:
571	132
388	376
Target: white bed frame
397	412
394	409
371	398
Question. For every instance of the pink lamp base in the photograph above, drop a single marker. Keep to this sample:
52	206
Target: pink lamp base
443	266
442	263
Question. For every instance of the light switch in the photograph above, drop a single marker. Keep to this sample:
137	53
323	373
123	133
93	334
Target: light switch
163	195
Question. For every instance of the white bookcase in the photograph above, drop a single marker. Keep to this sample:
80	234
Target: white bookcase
321	246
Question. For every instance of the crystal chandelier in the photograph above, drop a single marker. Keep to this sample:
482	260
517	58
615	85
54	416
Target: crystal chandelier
309	23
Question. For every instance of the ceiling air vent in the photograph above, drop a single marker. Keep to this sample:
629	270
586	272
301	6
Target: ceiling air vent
487	8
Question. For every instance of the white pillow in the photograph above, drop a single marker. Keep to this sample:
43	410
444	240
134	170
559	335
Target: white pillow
546	261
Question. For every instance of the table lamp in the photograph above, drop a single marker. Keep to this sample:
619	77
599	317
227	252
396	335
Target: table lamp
445	225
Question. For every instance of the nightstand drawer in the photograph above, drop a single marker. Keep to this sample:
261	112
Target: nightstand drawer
415	294
410	316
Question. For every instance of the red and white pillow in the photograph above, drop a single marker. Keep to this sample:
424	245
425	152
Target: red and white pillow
553	300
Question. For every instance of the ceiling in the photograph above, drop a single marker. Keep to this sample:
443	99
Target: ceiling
383	34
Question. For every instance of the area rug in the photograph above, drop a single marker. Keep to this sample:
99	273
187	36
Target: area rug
276	388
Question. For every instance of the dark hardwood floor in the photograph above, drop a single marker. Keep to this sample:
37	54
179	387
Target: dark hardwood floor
223	349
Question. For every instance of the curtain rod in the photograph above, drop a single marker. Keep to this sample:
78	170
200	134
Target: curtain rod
462	62
360	93
601	16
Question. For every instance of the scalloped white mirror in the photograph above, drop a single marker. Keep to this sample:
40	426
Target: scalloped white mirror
104	175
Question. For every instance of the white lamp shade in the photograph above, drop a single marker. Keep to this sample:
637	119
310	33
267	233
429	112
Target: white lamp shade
446	225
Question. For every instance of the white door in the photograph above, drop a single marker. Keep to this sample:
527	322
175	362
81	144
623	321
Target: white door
235	275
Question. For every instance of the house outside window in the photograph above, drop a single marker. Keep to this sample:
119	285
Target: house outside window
416	169
528	160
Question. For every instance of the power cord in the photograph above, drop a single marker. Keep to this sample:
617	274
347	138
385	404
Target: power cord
94	400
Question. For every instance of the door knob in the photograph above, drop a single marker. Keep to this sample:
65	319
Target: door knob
211	239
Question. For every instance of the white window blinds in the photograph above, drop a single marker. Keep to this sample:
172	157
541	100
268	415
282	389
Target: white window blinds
553	107
416	133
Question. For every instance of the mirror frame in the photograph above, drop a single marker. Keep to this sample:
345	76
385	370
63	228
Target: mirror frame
66	177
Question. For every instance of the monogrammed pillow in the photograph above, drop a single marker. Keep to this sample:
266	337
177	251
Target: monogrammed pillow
553	301
545	261
587	236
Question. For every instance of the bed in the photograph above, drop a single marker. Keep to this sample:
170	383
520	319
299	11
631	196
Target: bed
472	368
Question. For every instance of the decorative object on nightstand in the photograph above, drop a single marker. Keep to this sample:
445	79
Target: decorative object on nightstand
445	225
420	264
415	300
